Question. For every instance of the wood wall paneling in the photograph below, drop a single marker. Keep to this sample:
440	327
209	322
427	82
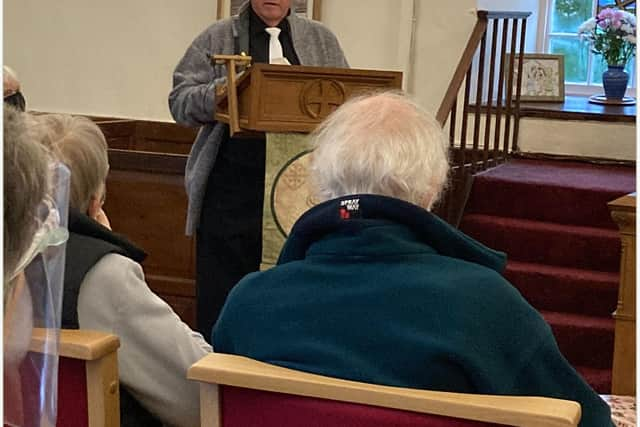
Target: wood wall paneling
146	202
119	133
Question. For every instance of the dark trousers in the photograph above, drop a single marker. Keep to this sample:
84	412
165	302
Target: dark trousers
229	237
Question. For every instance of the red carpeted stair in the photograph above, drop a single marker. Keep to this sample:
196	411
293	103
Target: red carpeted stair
552	220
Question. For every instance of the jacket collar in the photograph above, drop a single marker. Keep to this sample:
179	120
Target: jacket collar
80	223
333	215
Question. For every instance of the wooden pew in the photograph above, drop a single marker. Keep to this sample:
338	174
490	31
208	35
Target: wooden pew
146	201
88	385
239	391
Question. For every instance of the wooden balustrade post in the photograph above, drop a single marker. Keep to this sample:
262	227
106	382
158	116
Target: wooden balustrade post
509	100
492	69
516	108
478	102
623	212
499	100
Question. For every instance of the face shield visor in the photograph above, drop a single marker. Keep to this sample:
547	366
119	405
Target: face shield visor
32	313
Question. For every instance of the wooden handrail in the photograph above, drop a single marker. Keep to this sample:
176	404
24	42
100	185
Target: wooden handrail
479	30
497	14
463	66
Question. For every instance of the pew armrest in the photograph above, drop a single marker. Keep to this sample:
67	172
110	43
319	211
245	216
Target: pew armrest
229	370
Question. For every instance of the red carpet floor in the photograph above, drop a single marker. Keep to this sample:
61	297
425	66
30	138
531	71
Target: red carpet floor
552	220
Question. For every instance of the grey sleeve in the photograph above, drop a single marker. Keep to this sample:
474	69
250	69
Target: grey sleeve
192	99
156	347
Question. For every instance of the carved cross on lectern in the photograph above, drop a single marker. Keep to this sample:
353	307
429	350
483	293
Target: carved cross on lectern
321	97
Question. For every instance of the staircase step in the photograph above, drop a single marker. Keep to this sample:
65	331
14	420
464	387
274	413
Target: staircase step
583	340
564	289
524	240
551	191
598	379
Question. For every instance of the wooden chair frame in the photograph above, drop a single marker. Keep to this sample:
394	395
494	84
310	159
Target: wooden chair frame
223	369
99	351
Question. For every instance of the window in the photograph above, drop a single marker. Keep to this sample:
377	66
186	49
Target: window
583	69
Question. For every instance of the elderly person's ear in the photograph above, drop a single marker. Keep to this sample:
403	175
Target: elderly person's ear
426	200
95	210
10	83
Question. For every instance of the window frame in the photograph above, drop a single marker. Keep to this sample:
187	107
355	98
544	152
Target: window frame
542	45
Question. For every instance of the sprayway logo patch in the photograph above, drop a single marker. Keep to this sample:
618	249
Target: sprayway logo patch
350	208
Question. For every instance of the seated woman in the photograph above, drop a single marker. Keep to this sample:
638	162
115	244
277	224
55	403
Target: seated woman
105	289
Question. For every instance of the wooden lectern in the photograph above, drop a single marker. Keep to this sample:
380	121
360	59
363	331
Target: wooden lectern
286	102
292	98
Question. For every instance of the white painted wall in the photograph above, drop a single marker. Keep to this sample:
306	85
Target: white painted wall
109	58
615	141
116	58
532	6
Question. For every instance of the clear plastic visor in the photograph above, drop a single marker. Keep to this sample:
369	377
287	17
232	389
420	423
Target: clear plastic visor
32	313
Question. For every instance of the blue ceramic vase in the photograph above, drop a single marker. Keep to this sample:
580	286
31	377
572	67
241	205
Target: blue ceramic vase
615	81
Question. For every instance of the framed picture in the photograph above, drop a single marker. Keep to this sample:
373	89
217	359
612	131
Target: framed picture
628	5
308	8
542	77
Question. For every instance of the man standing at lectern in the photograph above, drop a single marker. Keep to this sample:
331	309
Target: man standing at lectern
224	176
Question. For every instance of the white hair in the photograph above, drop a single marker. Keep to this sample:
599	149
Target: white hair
80	144
381	144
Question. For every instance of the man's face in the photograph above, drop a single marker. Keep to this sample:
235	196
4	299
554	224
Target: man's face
271	11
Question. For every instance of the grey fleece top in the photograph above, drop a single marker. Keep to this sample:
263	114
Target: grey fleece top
192	99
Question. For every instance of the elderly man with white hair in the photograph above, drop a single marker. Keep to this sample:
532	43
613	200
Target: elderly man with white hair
370	286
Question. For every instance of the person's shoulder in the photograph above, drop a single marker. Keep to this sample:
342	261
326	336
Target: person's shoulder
323	46
219	29
462	270
257	280
220	25
313	26
467	280
251	291
107	286
115	269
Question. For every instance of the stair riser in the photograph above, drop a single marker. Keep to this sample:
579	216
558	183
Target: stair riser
564	294
564	206
583	346
527	200
599	251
